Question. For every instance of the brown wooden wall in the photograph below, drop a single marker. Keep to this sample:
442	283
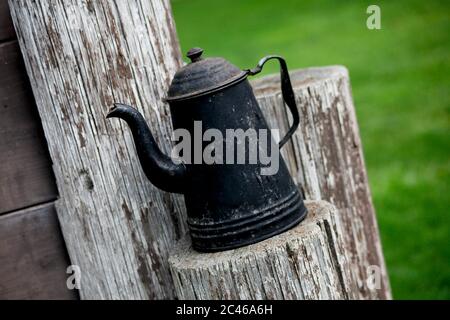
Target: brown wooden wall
33	258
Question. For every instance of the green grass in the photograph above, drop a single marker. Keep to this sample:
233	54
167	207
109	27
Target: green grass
400	82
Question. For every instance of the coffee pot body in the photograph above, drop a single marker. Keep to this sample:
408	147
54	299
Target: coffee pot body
236	185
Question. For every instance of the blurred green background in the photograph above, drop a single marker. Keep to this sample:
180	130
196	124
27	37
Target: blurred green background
400	81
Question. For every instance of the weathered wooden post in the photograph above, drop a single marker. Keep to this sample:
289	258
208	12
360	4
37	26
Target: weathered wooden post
83	56
326	158
306	262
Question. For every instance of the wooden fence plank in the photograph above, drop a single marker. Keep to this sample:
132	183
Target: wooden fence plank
33	258
26	176
6	25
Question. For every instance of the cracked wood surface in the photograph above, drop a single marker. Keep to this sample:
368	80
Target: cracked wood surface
83	56
325	157
306	262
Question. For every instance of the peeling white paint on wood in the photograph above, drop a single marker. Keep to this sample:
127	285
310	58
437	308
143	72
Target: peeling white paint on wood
306	262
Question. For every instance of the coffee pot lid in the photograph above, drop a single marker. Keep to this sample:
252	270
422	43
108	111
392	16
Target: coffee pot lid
202	76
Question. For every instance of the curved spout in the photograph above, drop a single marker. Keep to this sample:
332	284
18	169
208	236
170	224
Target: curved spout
158	167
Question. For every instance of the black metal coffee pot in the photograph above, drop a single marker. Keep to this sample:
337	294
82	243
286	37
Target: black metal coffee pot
228	205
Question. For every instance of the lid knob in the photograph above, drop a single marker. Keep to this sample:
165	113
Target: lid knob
195	54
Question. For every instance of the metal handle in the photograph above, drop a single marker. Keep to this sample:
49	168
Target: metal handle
286	90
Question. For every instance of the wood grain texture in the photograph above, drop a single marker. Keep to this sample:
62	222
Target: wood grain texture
82	56
305	262
33	258
6	25
325	158
26	176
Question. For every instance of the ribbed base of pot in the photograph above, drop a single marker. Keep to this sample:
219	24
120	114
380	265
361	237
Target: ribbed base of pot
248	229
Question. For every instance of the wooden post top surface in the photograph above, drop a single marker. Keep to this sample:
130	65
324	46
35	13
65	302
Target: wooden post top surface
184	256
306	262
